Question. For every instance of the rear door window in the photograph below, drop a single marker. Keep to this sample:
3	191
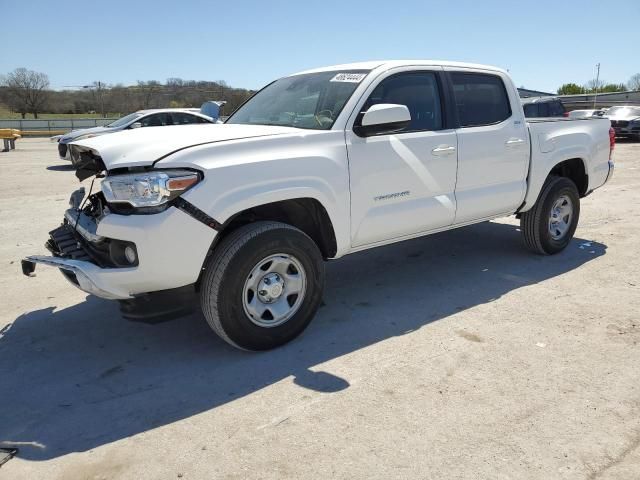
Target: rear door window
481	99
181	118
156	120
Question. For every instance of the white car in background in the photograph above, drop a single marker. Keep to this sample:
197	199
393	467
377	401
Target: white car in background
585	113
142	118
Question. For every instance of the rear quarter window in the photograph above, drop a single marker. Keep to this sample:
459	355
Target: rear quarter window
556	109
481	99
531	110
543	110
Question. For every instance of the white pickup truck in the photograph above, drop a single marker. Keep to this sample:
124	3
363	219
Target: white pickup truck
315	166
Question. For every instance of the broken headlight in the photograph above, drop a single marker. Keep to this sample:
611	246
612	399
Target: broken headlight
148	189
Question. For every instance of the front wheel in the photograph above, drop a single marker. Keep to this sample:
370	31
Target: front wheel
549	225
262	285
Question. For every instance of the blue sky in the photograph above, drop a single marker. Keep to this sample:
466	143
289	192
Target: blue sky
248	43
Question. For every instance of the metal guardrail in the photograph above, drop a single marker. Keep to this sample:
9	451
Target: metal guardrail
54	125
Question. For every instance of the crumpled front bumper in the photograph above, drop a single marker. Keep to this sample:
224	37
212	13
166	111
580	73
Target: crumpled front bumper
171	247
81	274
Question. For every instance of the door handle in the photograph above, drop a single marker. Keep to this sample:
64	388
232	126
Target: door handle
514	142
443	150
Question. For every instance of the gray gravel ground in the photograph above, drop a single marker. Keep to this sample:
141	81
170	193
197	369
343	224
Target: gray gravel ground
458	355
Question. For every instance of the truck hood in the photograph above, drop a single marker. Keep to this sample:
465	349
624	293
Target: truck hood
144	146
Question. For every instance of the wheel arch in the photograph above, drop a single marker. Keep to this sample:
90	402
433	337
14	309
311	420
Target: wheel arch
305	213
574	169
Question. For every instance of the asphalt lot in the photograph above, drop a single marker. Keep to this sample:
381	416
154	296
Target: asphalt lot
458	355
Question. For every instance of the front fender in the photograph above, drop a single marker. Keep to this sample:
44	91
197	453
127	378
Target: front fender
242	176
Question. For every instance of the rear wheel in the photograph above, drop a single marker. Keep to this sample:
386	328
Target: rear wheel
262	285
549	226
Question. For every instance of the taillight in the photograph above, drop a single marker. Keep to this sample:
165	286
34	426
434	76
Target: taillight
565	114
612	140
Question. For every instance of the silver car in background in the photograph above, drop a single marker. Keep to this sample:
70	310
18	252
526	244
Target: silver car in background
142	118
625	120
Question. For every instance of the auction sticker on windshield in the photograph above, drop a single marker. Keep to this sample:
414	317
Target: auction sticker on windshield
349	77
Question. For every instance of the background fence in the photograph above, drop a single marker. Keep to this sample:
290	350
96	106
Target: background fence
54	126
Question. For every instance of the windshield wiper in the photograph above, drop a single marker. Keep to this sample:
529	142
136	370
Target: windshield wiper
273	124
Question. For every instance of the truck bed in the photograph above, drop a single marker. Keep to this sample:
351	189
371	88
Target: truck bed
562	119
558	138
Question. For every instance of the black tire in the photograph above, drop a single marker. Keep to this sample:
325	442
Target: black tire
233	260
534	223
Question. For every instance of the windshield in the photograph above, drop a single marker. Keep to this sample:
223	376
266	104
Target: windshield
623	111
311	100
124	120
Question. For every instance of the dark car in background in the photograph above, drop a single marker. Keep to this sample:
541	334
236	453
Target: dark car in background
543	107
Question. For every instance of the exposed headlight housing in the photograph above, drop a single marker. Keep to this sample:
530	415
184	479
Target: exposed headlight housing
147	190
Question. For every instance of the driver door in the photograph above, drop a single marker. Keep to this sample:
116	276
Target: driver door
403	183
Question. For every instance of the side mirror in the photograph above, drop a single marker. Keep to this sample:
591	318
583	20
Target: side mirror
383	118
135	125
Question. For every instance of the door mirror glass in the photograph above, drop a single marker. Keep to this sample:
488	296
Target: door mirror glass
135	125
383	118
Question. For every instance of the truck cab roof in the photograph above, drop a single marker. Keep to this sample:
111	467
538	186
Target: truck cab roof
387	64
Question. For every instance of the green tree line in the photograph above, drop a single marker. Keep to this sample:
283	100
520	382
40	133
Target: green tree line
600	86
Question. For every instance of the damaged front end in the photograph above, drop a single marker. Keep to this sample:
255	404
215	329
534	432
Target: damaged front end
137	213
75	245
86	162
77	248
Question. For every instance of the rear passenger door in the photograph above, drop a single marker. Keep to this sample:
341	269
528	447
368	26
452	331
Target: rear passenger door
493	145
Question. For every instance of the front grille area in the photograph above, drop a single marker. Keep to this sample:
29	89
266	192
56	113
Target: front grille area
62	149
65	242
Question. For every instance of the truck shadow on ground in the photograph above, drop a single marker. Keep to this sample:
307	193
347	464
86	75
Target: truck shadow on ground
81	377
61	168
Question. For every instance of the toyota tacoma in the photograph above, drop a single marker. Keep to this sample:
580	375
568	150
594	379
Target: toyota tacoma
317	165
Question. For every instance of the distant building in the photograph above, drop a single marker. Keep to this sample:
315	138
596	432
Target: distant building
573	102
526	93
581	101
